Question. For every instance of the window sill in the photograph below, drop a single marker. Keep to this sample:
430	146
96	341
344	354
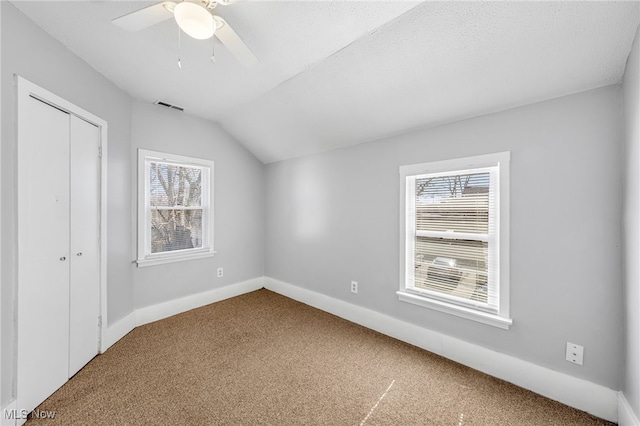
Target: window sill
460	311
171	259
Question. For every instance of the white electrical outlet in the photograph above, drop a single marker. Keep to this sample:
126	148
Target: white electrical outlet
220	272
354	286
575	353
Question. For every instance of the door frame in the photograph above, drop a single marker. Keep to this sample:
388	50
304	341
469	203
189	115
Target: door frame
25	89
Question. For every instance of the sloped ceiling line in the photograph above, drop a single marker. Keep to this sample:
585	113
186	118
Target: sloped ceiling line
337	73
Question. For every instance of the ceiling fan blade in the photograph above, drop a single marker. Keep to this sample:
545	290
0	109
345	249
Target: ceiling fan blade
232	41
146	17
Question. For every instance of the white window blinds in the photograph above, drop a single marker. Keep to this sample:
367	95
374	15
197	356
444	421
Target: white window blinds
176	207
451	221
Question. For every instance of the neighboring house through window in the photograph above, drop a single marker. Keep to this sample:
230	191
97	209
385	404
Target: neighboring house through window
175	208
455	237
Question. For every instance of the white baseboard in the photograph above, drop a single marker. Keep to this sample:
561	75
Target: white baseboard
160	311
118	330
164	310
574	392
11	417
626	416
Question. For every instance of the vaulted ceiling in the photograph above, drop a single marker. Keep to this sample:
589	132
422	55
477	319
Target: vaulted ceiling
337	73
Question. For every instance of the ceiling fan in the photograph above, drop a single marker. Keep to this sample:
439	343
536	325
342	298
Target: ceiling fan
195	19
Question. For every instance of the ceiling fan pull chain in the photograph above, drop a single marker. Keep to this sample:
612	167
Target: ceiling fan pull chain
179	50
213	51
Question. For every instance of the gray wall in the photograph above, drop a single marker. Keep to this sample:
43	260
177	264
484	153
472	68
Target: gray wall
239	182
30	52
239	194
631	86
1	315
333	217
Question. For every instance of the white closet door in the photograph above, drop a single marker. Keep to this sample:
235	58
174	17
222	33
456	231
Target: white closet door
43	271
85	247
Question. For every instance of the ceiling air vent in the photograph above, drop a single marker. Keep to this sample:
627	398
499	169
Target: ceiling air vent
167	105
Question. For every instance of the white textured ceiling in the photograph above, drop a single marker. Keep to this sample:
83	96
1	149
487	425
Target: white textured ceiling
337	73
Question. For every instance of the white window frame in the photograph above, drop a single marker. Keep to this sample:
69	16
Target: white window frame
145	257
499	265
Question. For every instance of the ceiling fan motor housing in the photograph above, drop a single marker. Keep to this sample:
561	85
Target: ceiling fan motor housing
195	20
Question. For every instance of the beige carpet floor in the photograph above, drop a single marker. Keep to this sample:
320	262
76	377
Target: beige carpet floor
262	358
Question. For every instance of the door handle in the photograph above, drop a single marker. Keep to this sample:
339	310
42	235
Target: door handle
63	258
79	253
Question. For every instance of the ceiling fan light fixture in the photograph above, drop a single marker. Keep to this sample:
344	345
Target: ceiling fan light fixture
194	20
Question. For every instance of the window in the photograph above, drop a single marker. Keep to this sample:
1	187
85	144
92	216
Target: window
175	208
455	237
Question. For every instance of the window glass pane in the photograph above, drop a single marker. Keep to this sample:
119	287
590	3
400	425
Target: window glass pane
458	203
453	267
175	229
454	247
175	185
175	214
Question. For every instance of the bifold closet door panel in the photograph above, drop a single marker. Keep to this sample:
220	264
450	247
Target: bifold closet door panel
43	252
85	247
